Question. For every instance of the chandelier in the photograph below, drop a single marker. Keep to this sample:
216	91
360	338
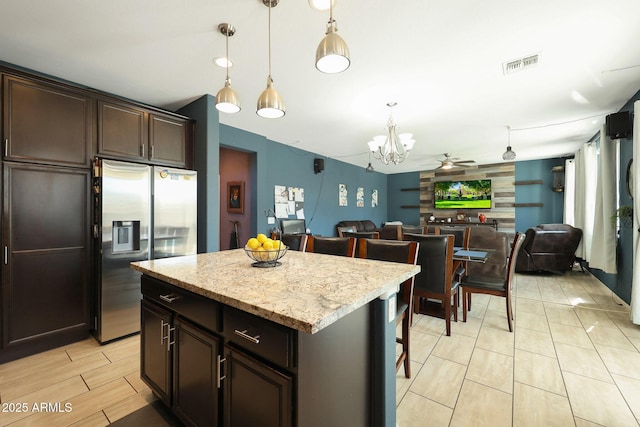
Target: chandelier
391	148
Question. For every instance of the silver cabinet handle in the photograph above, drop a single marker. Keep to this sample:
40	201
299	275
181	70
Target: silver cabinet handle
169	297
243	334
151	151
6	255
6	147
219	376
162	335
169	342
142	150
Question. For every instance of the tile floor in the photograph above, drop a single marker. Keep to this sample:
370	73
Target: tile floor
573	360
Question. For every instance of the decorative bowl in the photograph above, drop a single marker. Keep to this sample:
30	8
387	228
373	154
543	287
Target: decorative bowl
266	258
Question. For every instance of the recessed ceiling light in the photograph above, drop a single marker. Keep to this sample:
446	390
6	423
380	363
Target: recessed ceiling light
222	62
321	4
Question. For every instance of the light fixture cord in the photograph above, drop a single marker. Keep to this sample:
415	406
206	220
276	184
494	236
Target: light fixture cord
269	40
226	34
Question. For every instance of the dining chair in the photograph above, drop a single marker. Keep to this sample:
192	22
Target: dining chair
432	229
496	265
296	242
413	229
342	246
436	279
349	228
361	235
396	251
494	286
461	235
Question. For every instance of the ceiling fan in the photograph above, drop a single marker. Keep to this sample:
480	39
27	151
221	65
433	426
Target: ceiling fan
450	162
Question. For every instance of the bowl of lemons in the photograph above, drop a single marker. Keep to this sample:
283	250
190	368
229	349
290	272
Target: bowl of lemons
265	251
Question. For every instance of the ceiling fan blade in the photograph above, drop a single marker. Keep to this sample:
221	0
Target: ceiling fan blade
465	161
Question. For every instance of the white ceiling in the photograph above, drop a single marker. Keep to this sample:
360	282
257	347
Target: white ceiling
440	61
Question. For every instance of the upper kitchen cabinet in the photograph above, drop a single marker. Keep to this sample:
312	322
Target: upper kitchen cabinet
122	131
130	132
46	123
170	140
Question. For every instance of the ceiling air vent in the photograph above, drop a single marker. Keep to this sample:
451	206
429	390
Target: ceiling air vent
520	64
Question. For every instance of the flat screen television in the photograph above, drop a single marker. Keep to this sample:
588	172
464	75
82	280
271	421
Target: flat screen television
293	226
463	194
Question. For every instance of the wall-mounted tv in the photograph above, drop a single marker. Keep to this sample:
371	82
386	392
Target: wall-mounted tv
463	194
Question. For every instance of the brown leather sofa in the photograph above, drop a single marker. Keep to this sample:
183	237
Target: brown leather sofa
549	248
360	225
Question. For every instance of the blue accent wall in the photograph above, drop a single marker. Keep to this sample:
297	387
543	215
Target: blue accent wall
207	153
279	164
397	198
552	211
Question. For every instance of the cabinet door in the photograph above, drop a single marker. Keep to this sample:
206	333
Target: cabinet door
255	394
46	123
155	351
167	140
45	278
196	375
122	131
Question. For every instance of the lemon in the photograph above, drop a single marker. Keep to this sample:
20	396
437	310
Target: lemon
261	238
277	245
267	245
253	243
260	254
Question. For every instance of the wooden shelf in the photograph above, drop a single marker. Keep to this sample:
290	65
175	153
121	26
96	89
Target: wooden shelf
532	182
528	205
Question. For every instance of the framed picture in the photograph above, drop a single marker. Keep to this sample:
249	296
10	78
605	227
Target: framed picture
235	197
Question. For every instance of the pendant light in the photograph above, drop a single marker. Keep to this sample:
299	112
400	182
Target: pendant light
270	103
332	55
226	98
509	155
369	167
321	4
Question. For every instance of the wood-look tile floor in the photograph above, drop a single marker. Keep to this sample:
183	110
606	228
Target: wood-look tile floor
572	360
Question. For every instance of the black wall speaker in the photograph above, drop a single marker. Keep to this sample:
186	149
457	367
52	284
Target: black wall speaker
318	165
619	125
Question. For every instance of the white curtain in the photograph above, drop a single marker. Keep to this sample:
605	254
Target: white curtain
569	191
603	254
585	201
635	282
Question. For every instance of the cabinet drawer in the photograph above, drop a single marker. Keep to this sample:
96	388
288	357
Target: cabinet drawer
196	308
259	336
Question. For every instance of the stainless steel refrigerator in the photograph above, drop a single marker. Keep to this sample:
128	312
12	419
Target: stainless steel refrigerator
143	212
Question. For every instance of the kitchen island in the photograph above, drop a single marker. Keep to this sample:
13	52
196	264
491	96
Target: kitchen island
308	343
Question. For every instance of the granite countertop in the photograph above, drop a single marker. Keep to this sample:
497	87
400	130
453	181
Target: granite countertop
307	292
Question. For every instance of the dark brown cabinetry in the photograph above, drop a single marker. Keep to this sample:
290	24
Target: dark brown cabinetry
129	132
46	123
122	131
51	131
45	240
257	372
247	378
168	140
180	360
